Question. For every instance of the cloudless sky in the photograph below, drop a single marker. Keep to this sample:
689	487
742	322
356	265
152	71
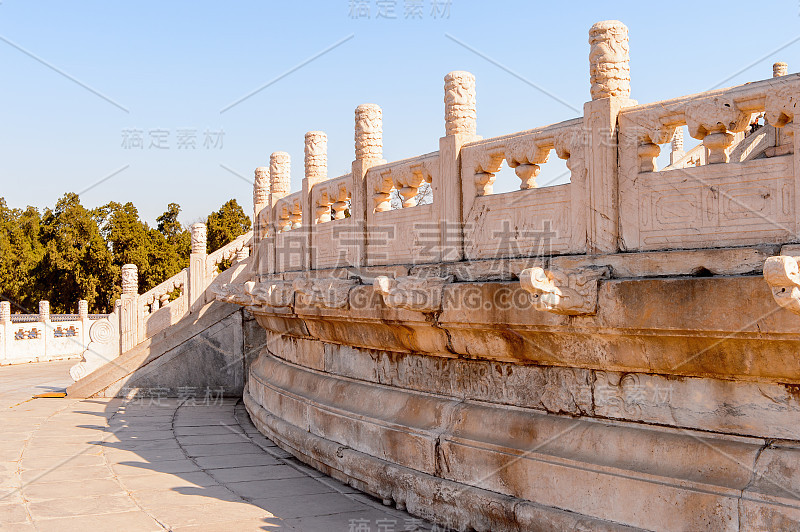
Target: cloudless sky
174	66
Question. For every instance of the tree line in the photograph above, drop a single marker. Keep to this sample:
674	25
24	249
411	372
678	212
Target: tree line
69	252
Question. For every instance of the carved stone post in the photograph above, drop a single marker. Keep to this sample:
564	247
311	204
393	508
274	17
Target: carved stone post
279	175
280	179
261	219
460	116
83	315
44	317
677	146
5	329
316	171
197	267
609	68
369	153
779	69
44	311
129	308
610	88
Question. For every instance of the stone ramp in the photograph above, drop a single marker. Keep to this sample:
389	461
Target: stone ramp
203	352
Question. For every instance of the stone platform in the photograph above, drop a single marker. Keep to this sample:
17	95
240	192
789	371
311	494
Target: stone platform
166	464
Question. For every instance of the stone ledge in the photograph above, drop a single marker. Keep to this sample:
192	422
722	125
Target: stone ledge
767	410
671	326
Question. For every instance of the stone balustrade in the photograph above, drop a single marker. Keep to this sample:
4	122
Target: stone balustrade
602	209
613	353
44	336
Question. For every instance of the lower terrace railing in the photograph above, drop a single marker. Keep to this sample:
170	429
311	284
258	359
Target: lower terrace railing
42	337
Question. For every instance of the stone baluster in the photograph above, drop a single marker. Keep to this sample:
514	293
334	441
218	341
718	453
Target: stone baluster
316	171
779	69
83	309
369	153
197	267
648	153
340	204
323	208
382	193
296	215
5	329
609	73
718	144
129	307
527	174
677	146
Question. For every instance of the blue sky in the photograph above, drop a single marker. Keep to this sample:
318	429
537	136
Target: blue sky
174	66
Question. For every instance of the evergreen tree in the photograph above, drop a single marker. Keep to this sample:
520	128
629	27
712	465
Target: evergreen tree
226	225
178	236
76	263
133	242
20	252
71	253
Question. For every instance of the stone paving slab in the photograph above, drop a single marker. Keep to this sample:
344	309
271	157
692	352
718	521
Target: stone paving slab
109	464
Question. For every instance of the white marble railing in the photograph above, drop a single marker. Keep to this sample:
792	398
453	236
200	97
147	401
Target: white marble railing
44	336
736	188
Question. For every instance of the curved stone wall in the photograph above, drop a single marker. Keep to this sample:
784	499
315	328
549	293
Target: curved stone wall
489	441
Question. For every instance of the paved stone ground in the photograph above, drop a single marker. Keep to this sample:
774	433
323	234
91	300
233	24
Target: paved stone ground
70	465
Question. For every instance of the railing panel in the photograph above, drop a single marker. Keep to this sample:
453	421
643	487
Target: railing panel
334	237
521	224
409	234
290	237
156	311
226	252
403	236
530	221
716	205
155	322
742	187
